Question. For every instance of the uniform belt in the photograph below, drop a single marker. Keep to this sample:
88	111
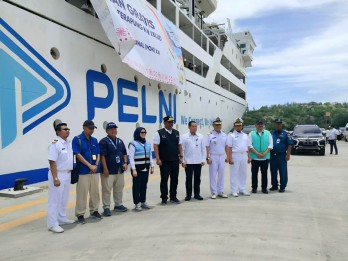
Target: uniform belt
277	153
239	152
217	154
64	171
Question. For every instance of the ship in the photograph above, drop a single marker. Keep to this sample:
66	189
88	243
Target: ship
57	62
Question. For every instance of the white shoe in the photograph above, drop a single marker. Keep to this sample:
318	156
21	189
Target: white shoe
67	222
244	193
138	207
222	195
56	229
145	205
234	194
213	196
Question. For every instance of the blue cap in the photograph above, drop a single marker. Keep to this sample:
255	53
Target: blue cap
111	125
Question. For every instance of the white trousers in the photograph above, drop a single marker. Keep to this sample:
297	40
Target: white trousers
57	199
238	172
217	170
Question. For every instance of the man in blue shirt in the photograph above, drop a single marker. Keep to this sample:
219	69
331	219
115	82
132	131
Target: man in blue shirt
280	155
113	156
86	149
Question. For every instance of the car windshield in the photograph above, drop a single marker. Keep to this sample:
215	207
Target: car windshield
341	128
306	129
247	129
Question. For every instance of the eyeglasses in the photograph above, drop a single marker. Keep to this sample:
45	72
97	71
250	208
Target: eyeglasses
143	132
66	129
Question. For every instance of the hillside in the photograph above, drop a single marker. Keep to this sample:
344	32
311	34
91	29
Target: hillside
300	113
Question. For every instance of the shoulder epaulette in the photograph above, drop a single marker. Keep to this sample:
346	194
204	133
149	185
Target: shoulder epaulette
54	141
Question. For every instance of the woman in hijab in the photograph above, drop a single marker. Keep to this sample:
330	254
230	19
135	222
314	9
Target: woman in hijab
141	161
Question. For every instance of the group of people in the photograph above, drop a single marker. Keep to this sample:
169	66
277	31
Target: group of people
108	159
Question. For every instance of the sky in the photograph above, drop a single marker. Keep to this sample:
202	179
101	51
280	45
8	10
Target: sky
302	48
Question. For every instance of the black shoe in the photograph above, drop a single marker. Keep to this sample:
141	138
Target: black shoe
175	200
281	190
81	220
187	198
254	190
265	191
96	215
273	188
198	197
164	202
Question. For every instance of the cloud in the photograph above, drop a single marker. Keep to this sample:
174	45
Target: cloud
307	60
257	8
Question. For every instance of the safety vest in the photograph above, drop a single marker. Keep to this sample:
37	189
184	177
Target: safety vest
260	143
142	152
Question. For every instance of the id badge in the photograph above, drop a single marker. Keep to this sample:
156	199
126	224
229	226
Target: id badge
118	159
94	157
278	141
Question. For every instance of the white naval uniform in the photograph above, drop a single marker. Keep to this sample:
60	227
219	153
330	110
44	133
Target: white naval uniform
238	142
216	142
61	152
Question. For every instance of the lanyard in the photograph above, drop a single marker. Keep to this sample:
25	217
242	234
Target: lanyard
113	144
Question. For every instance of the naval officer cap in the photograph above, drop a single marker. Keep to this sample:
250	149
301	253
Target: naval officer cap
278	120
57	123
168	118
238	121
217	121
89	124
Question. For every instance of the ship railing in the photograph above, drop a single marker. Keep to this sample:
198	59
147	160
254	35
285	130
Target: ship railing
224	83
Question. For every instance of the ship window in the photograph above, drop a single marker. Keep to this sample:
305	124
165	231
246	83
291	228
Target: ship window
55	53
103	68
242	45
168	10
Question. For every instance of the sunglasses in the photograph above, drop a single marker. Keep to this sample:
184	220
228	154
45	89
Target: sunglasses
143	132
66	129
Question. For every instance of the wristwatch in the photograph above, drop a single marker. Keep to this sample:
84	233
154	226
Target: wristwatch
56	178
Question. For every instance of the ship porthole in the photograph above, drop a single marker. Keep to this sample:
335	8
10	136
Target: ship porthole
103	68
54	53
135	79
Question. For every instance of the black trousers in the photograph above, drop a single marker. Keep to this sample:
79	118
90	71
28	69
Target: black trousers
169	169
140	186
333	145
193	171
255	166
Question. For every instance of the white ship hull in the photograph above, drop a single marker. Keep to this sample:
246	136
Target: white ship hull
87	92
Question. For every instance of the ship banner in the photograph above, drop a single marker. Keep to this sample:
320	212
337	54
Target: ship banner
145	40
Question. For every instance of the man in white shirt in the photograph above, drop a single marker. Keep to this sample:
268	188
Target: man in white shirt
216	159
332	139
238	158
194	152
260	145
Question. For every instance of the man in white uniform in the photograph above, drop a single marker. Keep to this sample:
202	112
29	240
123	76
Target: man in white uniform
216	158
60	157
238	158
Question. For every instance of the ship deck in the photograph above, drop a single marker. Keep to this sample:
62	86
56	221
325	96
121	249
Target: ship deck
308	222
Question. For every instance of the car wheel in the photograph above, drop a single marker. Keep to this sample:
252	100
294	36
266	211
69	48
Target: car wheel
322	152
346	140
293	151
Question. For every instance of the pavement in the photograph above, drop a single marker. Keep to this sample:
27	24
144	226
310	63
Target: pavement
307	222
